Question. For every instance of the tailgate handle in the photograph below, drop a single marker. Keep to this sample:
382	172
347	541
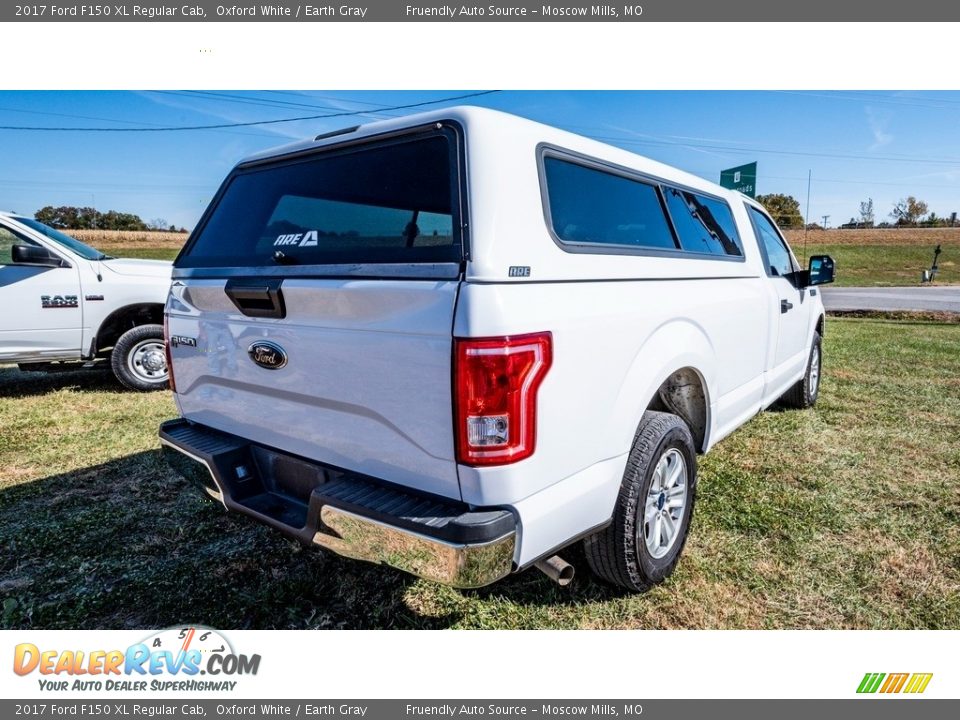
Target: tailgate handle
257	298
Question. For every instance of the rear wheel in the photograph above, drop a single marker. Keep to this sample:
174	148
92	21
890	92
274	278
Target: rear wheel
804	394
139	360
642	545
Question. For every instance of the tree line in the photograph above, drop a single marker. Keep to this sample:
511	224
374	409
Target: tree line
68	217
907	212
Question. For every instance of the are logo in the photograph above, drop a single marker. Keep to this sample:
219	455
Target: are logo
267	354
911	683
307	239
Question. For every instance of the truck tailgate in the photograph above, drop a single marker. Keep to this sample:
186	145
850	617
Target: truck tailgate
365	385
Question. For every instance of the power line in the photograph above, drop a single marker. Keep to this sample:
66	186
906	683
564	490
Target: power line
326	97
187	95
221	126
76	117
119	121
877	98
106	186
228	97
711	173
698	143
252	100
742	149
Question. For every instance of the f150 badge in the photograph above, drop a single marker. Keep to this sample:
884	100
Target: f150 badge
59	301
178	340
267	355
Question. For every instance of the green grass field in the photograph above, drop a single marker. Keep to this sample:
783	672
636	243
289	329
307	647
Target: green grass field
845	516
882	256
868	265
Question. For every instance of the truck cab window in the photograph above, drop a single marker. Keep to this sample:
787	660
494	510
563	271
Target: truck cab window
8	239
704	225
779	259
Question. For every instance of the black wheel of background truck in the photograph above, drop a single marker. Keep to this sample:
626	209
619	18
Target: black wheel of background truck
804	394
139	360
642	545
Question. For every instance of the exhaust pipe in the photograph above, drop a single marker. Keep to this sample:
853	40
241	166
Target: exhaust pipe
557	569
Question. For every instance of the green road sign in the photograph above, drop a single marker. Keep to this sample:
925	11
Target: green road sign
743	178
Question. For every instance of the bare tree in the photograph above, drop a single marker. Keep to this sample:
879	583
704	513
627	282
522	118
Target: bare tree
866	213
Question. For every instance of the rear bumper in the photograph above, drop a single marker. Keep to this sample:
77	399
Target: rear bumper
352	515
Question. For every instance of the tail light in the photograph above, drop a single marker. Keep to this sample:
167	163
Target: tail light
166	350
496	382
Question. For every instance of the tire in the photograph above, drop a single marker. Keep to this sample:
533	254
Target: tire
804	394
621	553
139	360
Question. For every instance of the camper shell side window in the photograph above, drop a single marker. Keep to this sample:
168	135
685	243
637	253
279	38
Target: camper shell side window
595	207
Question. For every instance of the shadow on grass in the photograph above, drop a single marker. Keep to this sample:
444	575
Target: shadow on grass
532	588
16	383
130	544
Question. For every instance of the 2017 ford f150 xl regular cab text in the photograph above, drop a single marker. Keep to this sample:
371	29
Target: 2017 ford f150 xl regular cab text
458	342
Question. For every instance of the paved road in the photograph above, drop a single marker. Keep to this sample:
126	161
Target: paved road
893	298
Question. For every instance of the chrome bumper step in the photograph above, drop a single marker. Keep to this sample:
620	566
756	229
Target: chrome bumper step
352	515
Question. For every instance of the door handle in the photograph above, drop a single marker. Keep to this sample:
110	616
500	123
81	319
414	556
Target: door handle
785	305
257	298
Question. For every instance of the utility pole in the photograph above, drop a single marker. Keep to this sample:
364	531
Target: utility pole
826	219
806	216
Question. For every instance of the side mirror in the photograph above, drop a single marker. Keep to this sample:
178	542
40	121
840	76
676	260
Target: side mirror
34	255
820	271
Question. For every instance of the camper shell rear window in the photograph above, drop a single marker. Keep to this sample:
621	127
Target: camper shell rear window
384	201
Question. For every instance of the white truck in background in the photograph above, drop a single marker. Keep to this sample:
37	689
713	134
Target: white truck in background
67	305
458	342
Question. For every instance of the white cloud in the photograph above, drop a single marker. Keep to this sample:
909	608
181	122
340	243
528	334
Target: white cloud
879	122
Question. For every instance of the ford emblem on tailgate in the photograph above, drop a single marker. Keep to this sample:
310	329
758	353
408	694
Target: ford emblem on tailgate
267	354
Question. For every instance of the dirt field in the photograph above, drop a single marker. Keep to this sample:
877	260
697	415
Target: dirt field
107	240
923	237
907	236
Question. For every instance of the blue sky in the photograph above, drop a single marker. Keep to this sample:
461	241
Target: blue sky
884	145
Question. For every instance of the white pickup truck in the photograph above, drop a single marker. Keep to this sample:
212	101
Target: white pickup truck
458	342
67	305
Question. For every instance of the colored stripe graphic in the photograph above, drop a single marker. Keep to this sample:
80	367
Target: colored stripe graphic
918	682
894	683
870	683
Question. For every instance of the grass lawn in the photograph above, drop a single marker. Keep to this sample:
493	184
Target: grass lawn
846	516
868	265
883	256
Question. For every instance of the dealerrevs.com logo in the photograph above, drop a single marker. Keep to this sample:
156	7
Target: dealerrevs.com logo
178	659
